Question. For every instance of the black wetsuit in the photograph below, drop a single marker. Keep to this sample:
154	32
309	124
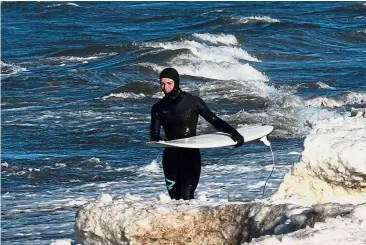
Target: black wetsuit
178	116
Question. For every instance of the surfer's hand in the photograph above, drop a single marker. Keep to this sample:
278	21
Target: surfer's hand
238	138
156	138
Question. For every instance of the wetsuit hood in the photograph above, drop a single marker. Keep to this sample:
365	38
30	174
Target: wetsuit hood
171	73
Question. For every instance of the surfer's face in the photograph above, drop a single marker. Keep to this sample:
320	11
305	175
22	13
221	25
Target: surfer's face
167	85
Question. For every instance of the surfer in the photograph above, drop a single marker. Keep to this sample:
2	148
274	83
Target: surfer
178	114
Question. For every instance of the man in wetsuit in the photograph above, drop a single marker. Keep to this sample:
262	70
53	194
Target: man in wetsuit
178	113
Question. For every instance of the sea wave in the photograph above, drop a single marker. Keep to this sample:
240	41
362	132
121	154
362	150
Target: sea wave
10	69
135	90
70	60
225	39
210	70
124	96
254	19
348	98
63	4
222	62
355	8
205	52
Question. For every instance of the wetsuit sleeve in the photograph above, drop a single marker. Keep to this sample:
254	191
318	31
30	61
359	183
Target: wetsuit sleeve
155	125
214	120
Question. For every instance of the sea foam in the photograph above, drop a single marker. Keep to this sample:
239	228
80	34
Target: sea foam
225	72
348	98
205	52
221	62
225	39
10	69
254	19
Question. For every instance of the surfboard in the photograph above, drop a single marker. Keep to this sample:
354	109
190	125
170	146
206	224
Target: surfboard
215	140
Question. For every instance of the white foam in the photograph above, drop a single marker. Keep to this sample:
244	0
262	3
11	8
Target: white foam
294	153
288	115
213	11
312	115
325	86
62	242
223	62
72	59
253	19
346	99
54	204
63	4
125	96
230	168
355	97
225	39
93	160
205	52
234	90
224	71
11	68
154	166
323	102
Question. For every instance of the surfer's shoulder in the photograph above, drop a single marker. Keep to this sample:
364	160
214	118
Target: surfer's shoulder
158	104
189	96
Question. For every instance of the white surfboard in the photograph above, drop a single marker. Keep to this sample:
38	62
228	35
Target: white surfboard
215	140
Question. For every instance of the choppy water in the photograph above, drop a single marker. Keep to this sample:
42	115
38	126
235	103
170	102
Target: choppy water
78	81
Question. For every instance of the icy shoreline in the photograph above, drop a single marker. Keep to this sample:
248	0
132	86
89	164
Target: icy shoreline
332	167
130	220
323	199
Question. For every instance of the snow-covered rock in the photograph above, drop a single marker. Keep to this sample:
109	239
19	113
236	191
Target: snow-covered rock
332	167
126	221
330	227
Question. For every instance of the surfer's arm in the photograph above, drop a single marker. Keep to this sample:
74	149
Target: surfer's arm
214	120
155	125
218	123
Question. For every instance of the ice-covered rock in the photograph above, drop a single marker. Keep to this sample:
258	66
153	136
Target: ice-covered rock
105	198
324	224
163	197
359	212
202	197
332	167
126	221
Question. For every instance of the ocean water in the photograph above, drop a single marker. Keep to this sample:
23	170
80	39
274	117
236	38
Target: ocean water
78	80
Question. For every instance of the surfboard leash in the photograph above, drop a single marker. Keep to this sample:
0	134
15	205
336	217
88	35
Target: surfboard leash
267	143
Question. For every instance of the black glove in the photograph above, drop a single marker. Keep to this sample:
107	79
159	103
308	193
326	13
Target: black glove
238	138
156	138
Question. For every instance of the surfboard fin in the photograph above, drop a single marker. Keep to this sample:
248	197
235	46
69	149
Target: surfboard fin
265	141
